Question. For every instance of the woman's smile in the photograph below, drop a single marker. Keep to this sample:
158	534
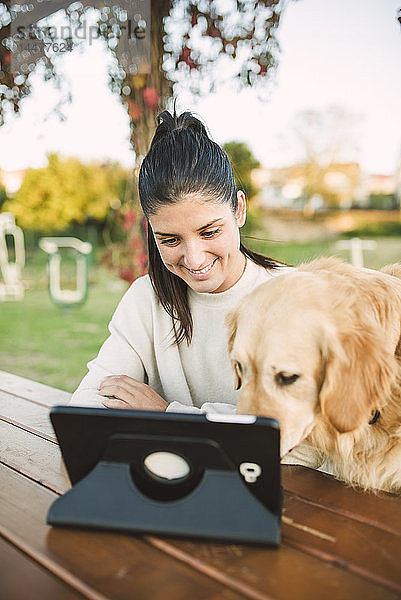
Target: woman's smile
202	273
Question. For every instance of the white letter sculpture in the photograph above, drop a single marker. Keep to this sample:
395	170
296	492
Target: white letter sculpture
11	288
67	297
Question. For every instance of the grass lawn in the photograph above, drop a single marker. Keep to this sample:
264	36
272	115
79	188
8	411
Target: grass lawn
388	251
52	345
41	341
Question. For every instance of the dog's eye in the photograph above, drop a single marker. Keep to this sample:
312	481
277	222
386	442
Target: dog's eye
283	378
238	374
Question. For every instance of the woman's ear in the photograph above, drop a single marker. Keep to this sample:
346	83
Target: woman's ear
240	214
360	371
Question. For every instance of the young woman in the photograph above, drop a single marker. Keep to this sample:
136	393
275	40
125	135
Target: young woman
167	348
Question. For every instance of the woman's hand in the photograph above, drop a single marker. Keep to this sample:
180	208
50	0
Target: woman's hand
122	391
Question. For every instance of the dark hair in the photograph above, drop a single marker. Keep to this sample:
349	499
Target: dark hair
182	160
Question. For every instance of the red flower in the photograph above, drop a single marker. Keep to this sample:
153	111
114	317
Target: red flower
134	110
129	220
151	97
127	274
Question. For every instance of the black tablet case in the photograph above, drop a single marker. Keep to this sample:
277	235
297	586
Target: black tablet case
104	450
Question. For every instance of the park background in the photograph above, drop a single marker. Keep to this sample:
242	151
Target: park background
316	146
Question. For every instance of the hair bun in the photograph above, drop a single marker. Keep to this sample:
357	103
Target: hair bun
167	123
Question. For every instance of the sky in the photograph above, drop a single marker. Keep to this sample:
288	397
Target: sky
333	52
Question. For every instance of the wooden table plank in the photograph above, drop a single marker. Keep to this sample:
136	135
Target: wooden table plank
33	456
26	414
20	576
306	532
363	549
282	573
98	565
380	510
32	390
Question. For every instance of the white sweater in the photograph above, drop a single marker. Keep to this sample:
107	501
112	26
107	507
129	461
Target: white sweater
194	378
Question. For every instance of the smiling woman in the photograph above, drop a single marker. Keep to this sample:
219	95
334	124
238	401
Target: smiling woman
206	257
167	348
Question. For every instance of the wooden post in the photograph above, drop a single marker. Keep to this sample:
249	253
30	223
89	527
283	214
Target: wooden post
357	246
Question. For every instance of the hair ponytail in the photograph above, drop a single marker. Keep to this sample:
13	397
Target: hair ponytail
171	291
167	123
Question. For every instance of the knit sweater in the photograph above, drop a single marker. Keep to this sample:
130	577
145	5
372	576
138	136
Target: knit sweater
192	378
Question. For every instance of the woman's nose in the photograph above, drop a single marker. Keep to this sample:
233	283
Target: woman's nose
194	256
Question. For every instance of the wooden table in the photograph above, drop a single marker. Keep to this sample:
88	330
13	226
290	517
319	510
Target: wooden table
337	543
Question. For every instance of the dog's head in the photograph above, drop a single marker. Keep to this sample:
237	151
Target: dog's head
303	348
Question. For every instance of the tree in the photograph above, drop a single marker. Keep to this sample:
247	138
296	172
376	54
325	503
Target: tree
243	162
65	192
189	41
191	44
326	136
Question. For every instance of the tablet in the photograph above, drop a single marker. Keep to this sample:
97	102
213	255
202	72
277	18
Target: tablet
209	476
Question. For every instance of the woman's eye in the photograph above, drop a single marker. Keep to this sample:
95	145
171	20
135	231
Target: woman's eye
283	378
209	234
174	241
170	241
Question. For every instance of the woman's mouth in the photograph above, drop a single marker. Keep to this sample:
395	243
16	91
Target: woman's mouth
201	273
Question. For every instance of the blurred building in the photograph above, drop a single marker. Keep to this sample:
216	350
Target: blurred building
279	188
380	184
343	185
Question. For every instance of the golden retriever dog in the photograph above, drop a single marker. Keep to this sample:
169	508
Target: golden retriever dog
319	349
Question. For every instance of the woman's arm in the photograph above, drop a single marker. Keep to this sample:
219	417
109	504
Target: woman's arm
122	391
124	354
116	357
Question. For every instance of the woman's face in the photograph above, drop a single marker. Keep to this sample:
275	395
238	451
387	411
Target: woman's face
199	241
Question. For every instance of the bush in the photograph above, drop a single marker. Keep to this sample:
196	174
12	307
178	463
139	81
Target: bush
378	229
242	162
383	202
3	196
66	192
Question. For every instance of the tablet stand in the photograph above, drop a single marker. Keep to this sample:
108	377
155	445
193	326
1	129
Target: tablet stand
212	502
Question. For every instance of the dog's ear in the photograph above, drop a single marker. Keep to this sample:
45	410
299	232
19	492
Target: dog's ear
395	271
360	370
231	321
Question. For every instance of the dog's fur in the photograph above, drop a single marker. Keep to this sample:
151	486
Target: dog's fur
338	328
